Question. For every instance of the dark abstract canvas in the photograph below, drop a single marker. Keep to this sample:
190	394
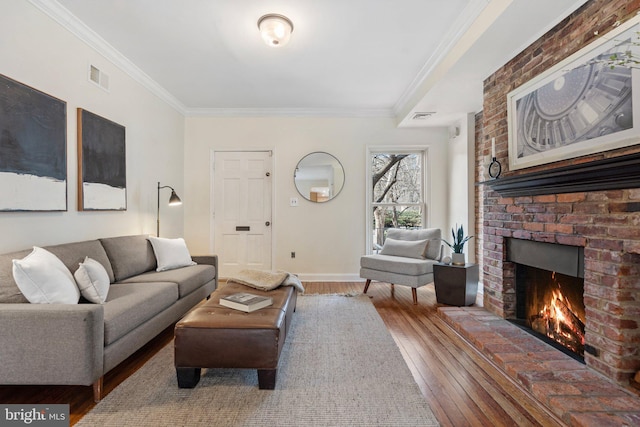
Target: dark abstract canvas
102	177
33	149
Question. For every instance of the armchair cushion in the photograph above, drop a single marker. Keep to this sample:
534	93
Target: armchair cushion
432	234
399	265
405	248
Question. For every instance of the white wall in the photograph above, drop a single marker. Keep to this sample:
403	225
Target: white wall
328	238
460	181
38	52
161	146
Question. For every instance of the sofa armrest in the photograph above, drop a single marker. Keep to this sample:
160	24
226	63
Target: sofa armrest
51	343
206	259
209	260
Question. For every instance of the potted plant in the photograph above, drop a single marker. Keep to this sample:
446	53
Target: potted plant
457	245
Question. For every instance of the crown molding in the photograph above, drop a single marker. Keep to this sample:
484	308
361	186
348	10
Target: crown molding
457	30
71	23
290	112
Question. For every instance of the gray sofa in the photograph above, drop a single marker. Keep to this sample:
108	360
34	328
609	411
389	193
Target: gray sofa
78	343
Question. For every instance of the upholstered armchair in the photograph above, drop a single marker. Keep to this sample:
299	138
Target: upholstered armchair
407	259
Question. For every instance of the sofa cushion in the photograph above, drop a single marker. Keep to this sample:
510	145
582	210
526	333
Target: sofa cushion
131	304
9	291
188	279
395	264
432	234
72	254
170	253
92	280
44	279
129	255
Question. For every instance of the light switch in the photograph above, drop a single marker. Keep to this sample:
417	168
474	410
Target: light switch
293	201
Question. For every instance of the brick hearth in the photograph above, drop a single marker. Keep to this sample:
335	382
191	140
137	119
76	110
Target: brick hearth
572	391
605	223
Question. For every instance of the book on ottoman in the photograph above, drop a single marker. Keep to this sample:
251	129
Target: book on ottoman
245	301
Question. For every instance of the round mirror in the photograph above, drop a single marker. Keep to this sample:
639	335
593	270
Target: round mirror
319	177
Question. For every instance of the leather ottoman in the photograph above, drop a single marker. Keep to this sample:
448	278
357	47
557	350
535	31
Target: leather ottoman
214	336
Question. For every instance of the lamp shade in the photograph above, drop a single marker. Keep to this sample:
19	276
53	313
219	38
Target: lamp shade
174	199
275	29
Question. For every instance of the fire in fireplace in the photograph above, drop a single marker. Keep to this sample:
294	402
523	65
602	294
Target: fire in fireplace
553	306
549	289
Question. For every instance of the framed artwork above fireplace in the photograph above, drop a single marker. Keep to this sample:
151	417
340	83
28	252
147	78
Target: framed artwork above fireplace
585	104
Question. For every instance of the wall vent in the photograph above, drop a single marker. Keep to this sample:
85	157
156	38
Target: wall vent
422	115
98	77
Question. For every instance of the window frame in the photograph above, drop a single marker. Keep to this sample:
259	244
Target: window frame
426	189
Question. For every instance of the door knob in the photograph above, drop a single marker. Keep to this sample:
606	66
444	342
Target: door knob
267	223
268	173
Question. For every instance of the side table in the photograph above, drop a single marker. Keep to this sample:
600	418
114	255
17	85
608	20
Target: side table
456	284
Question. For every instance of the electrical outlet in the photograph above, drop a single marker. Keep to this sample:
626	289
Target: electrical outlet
293	202
293	254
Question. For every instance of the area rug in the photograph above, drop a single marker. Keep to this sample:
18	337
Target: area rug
339	367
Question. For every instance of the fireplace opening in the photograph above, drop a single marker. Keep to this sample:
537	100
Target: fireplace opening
552	305
549	287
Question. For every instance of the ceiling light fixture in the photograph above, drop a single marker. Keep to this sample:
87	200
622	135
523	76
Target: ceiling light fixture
275	29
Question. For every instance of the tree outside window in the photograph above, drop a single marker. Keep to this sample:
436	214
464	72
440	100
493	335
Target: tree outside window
398	197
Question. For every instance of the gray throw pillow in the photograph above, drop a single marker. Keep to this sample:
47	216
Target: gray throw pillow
405	248
431	234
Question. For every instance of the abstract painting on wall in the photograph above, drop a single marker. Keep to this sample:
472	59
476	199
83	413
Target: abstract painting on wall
33	149
102	178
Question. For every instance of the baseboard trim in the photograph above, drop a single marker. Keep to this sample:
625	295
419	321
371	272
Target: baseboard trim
313	277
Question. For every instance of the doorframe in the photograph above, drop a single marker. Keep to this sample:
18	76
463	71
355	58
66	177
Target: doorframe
212	211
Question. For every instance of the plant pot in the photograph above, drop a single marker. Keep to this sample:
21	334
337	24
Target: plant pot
457	259
456	285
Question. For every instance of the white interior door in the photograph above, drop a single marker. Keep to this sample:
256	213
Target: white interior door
242	210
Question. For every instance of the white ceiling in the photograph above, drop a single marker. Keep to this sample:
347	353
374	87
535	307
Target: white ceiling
345	57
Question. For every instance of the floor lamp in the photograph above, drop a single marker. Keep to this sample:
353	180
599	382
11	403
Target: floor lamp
173	201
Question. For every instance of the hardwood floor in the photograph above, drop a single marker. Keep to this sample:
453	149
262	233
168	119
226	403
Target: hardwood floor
460	385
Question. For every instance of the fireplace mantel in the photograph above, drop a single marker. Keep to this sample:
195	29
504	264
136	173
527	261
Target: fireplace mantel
614	173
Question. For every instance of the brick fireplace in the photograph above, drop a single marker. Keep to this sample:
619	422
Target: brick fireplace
604	222
599	222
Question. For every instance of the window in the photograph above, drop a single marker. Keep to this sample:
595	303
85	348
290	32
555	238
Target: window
397	195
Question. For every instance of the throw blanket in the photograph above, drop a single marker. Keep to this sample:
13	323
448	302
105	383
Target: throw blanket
266	280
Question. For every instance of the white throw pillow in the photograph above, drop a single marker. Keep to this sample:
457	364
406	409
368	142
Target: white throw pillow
405	248
170	253
93	280
44	279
